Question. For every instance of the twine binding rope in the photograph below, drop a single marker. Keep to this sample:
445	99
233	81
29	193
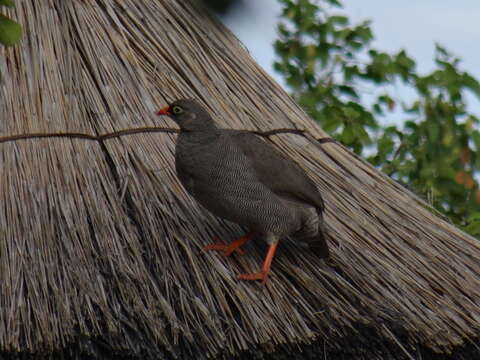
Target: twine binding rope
120	133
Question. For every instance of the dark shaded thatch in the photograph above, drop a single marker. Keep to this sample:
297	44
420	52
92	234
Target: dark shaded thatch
100	247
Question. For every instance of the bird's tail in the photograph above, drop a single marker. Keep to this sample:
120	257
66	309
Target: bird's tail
312	233
320	248
318	244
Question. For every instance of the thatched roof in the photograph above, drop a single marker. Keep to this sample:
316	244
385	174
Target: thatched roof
100	246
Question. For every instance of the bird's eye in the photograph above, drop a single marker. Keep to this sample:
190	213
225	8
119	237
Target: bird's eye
177	110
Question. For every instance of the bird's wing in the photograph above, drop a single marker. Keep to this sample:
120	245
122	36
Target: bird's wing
279	173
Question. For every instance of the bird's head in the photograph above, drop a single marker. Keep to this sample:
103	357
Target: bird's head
189	115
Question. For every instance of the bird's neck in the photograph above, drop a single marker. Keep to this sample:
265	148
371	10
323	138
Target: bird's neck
204	133
199	127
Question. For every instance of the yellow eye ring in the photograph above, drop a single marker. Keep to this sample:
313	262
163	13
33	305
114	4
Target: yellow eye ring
177	110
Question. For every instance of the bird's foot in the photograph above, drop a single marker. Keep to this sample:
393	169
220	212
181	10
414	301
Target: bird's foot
261	275
227	249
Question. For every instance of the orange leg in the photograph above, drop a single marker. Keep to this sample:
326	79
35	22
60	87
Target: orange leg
263	273
233	246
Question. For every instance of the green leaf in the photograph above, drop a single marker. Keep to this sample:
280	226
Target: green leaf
348	135
342	20
343	34
291	13
474	217
433	132
473	226
364	32
8	3
476	140
331	124
360	133
348	90
385	145
10	31
472	84
335	3
441	51
350	113
405	61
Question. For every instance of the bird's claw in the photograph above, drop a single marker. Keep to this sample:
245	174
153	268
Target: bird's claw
261	275
227	249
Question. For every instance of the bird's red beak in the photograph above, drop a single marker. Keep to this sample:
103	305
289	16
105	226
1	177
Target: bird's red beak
165	111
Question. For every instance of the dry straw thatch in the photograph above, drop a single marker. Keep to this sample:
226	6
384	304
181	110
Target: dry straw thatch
100	247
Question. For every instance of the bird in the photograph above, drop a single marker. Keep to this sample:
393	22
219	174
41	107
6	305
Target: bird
240	177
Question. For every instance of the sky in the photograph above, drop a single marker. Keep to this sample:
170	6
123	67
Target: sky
413	25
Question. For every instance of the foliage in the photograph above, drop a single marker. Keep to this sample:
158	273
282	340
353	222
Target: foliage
332	70
10	31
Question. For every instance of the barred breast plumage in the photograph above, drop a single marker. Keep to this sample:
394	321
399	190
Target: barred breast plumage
239	177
